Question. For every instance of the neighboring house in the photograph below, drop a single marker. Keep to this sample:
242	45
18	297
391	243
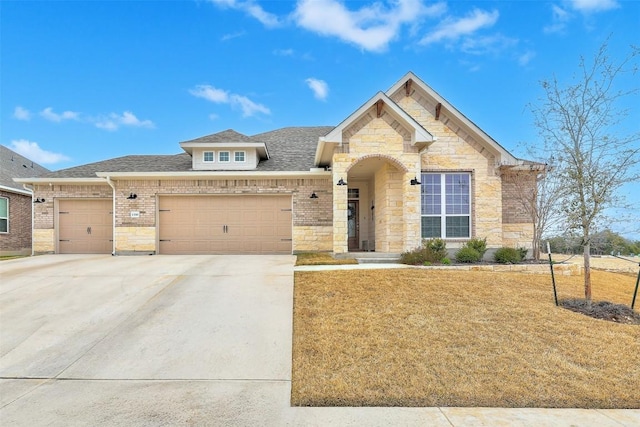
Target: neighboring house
15	202
406	165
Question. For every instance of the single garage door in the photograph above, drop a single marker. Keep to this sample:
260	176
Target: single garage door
225	224
85	226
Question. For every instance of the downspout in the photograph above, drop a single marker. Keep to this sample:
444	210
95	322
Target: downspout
113	187
25	186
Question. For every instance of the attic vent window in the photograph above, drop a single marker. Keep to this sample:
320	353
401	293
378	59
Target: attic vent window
239	156
223	156
208	156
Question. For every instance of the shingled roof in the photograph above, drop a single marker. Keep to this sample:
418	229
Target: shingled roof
14	165
227	136
291	149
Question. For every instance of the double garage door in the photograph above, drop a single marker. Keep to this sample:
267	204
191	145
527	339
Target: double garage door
225	225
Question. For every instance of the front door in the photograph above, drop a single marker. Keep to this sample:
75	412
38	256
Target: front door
353	225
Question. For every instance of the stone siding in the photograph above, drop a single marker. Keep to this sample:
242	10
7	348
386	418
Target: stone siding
17	240
456	151
312	239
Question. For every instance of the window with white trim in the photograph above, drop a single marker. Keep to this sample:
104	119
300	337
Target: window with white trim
224	157
208	156
4	215
446	205
239	156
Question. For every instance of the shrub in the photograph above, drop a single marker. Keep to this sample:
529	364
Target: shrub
523	253
431	251
507	256
480	245
446	261
467	254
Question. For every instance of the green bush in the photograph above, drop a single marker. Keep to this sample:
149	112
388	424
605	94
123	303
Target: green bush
523	253
507	256
467	254
480	245
431	251
446	261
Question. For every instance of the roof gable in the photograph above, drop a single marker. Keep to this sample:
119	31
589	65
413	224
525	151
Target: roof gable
410	83
380	102
227	139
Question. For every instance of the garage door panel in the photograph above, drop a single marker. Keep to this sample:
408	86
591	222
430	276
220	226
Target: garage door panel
225	224
85	226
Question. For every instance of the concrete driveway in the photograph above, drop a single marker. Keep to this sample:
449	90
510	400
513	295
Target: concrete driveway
178	340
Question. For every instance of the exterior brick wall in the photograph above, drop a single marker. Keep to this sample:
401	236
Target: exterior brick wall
516	190
17	241
139	234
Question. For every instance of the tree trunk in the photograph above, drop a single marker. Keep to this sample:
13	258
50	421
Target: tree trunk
587	273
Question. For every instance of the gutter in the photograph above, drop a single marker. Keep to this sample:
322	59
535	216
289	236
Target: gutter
33	213
113	215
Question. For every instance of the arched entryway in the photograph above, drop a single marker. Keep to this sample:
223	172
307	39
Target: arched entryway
375	204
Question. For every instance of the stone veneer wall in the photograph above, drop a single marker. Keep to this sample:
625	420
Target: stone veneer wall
396	223
312	218
17	241
456	150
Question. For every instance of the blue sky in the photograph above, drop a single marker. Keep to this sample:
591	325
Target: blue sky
84	81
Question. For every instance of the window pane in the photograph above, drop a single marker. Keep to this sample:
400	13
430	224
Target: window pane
457	193
223	156
208	156
239	156
457	226
431	226
430	194
3	225
4	203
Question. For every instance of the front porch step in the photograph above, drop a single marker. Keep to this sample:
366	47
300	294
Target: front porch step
385	260
373	257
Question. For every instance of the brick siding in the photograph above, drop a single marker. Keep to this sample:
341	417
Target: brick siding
18	239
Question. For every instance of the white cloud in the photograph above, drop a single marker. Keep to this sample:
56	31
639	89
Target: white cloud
231	36
210	93
251	8
587	6
493	44
21	114
283	52
559	20
48	114
220	96
371	27
213	116
32	151
452	29
113	121
319	87
249	108
526	57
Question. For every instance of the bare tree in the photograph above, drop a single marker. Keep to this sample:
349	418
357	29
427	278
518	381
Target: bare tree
584	125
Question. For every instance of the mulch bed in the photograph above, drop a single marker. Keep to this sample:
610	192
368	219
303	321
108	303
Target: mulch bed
603	310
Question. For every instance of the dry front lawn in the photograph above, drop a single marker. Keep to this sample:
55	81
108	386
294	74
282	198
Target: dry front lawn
418	337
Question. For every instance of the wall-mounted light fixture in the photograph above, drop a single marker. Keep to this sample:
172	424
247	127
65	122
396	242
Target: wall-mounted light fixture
132	196
341	182
39	200
415	181
313	195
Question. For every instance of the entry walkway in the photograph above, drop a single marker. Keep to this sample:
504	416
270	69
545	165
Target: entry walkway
180	340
